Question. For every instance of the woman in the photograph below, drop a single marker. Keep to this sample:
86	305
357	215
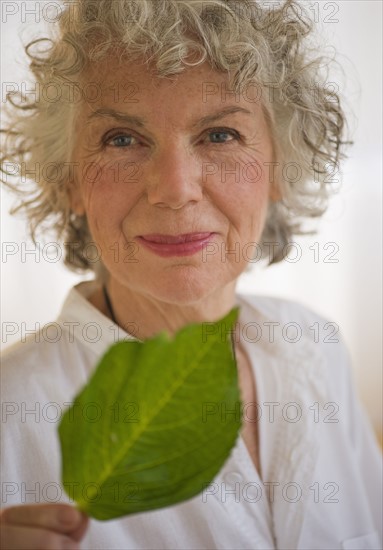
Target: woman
164	157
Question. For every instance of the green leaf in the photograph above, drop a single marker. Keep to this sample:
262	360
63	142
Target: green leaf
155	423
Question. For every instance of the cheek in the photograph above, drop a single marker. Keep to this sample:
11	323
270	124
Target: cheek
107	196
241	185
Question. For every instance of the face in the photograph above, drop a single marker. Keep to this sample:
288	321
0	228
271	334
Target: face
171	157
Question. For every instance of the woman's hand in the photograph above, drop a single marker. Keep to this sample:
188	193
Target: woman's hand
42	526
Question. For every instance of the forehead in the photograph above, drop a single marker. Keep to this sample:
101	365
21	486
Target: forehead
133	86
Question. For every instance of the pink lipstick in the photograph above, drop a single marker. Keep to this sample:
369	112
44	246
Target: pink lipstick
175	245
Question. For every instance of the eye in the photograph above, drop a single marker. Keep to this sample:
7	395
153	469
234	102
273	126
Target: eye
120	140
223	135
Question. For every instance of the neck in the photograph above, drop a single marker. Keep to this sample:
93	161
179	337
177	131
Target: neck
143	315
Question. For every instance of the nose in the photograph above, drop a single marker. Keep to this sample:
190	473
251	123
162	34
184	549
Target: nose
174	178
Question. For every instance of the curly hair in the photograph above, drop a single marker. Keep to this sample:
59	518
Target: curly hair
253	44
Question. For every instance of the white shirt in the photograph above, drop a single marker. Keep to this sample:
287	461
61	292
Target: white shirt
321	466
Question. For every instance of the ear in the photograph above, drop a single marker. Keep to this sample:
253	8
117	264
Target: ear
75	199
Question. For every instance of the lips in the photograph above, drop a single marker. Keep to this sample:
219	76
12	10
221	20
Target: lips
167	246
175	239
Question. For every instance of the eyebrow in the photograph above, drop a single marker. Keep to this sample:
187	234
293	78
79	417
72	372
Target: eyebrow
220	114
121	117
140	121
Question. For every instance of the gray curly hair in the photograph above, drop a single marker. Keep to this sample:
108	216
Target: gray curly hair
251	43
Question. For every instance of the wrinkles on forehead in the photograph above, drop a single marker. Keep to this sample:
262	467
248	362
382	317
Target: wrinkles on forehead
122	87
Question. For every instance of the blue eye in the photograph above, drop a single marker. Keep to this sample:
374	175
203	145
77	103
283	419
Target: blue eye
220	136
121	141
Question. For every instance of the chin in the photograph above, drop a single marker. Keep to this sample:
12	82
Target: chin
183	285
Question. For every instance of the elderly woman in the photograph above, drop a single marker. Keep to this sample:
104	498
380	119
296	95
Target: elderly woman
163	157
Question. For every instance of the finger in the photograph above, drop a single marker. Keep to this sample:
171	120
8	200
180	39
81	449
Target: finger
30	538
79	532
62	518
